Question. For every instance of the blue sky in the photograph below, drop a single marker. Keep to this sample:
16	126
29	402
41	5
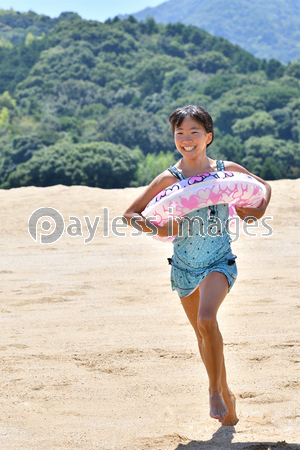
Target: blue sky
88	9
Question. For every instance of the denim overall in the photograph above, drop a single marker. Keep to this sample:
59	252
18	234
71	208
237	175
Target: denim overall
201	247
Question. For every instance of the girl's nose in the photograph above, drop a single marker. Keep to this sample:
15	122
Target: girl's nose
186	139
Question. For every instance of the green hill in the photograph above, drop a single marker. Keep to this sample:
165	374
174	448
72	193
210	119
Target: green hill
268	29
88	103
15	26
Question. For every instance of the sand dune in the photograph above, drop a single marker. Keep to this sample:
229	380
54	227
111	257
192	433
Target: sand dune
96	352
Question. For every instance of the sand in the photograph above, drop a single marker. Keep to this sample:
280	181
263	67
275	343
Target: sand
96	351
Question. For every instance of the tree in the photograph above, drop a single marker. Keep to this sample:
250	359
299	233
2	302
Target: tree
149	74
173	77
211	62
151	166
293	70
149	26
258	124
286	156
7	101
219	85
135	129
227	147
274	69
4	43
24	147
29	39
103	72
4	117
236	104
269	170
284	124
277	96
98	164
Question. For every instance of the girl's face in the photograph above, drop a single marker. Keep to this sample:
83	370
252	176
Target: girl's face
191	138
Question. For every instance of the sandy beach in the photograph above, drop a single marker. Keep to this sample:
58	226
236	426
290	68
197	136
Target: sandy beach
97	353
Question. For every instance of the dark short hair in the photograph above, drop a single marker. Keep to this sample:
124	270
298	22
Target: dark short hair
196	113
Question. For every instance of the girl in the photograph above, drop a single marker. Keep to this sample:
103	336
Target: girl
203	267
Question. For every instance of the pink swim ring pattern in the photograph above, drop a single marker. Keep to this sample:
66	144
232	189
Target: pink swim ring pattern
206	189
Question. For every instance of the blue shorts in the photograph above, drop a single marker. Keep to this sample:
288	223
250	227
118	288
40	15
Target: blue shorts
185	279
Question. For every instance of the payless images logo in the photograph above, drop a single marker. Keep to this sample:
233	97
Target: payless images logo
46	225
118	223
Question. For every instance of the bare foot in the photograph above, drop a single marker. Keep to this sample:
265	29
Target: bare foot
231	418
218	409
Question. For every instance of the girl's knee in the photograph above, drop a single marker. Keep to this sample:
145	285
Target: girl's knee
206	324
199	337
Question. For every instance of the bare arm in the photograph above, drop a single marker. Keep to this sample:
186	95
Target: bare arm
261	209
159	183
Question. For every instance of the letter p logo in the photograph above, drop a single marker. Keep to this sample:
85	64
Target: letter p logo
46	225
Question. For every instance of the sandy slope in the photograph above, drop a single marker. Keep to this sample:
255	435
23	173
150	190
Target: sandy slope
96	352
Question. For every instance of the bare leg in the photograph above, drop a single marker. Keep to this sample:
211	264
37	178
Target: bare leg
229	399
201	308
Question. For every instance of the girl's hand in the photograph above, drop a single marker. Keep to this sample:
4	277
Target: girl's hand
164	230
258	212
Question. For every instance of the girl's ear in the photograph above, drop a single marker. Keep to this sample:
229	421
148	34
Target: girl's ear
209	138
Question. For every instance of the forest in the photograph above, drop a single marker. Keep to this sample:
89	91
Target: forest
87	103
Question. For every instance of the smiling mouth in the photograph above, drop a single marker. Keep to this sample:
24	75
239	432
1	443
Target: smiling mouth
189	149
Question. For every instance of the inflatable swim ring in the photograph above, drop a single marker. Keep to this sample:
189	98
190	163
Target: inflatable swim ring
206	189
